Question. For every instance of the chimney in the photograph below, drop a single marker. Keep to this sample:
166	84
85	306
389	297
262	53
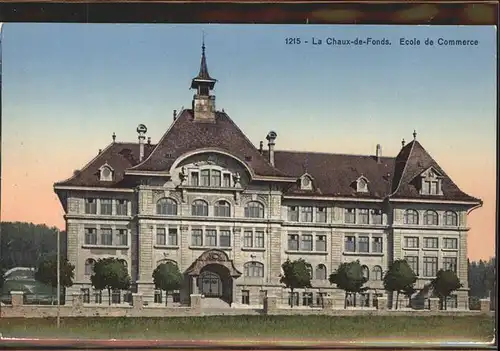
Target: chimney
141	130
378	152
261	147
149	140
271	138
99	152
175	115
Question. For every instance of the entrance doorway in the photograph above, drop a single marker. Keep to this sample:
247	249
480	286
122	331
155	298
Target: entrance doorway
210	284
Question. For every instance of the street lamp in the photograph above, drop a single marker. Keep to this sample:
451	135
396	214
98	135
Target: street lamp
58	278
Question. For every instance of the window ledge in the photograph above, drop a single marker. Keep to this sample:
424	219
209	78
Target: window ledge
116	247
430	249
303	252
411	248
173	247
449	250
253	249
201	187
210	247
363	253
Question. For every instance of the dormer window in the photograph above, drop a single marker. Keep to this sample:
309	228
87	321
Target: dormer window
431	182
362	185
210	177
306	182
106	173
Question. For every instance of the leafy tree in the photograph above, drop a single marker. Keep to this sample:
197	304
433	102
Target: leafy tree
296	275
408	292
110	273
444	284
167	277
399	278
46	272
350	278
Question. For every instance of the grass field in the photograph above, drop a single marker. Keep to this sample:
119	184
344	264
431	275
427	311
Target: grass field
431	328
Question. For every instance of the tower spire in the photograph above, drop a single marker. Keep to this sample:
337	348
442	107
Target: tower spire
203	101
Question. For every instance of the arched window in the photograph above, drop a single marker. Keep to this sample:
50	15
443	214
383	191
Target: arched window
254	209
222	209
450	218
377	273
366	272
321	272
166	206
199	208
411	217
254	269
430	218
89	266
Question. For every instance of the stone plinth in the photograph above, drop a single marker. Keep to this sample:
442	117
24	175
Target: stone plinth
270	304
17	298
434	304
195	301
485	305
137	301
77	300
170	299
327	302
382	303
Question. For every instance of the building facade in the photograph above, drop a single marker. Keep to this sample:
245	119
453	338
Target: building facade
229	213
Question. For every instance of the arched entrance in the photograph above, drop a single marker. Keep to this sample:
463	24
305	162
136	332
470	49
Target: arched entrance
213	275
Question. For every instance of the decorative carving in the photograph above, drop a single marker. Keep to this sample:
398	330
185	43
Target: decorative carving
158	194
184	195
184	228
183	175
237	197
215	256
237	180
237	229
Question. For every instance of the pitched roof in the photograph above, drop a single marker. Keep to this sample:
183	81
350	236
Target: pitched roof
186	135
119	156
411	161
336	174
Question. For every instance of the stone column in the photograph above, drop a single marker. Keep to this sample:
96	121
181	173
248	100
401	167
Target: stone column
382	303
484	305
195	303
195	288
17	298
137	301
270	304
434	304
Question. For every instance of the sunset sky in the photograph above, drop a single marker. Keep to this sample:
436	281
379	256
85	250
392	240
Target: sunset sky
67	87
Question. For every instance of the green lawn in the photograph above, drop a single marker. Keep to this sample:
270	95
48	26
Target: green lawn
435	328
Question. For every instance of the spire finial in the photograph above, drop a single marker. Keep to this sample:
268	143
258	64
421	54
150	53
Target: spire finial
114	137
403	142
414	134
203	43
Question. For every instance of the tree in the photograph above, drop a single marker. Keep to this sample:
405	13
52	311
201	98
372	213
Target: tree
296	275
444	284
46	272
399	278
110	273
350	278
408	292
167	277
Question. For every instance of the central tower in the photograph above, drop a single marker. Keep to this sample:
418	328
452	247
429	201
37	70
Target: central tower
203	102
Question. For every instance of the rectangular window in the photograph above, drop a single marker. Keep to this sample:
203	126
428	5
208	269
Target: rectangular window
319	298
321	243
98	297
450	243
452	302
293	298
434	188
306	214
122	237
364	216
121	207
211	237
245	297
364	244
216	178
307	299
158	296
377	244
430	266
90	236
293	242
247	238
161	236
293	213
106	236
172	236
225	238
195	179
376	216
106	207
350	244
259	239
450	264
196	237
85	295
431	243
321	214
411	242
205	178
350	215
413	263
90	206
116	296
306	243
226	178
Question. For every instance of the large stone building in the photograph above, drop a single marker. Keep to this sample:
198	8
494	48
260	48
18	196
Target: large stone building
229	214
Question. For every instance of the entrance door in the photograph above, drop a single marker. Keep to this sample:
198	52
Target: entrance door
210	284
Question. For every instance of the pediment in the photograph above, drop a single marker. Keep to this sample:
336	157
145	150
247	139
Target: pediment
431	172
306	181
361	184
106	172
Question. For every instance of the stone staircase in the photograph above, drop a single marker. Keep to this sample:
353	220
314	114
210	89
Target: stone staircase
213	303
